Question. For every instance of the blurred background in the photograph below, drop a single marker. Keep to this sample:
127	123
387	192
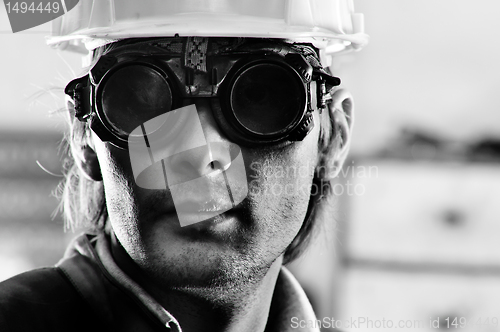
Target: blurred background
415	237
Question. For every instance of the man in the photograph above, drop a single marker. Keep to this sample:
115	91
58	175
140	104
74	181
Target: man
202	146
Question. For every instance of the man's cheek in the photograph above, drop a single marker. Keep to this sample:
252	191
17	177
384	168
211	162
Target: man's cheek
278	186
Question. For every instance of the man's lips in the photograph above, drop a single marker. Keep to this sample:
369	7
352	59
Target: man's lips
204	219
200	206
164	203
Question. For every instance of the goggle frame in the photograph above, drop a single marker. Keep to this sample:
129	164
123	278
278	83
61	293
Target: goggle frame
186	83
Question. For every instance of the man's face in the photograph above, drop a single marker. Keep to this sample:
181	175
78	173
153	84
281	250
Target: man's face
237	245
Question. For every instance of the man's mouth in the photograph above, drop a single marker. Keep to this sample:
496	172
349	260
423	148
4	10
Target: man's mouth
203	206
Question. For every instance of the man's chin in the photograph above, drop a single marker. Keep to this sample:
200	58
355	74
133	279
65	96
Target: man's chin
203	268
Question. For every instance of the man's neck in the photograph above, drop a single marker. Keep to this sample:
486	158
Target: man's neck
215	309
245	311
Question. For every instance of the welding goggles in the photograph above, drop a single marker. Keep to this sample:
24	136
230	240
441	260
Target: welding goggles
259	95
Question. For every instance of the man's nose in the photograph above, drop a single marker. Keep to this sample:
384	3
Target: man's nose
201	160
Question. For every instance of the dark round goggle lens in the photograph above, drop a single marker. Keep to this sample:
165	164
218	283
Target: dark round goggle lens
267	99
133	95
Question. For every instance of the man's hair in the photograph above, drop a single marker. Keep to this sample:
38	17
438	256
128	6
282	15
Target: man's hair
83	204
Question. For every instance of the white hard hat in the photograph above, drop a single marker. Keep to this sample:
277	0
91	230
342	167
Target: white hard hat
330	25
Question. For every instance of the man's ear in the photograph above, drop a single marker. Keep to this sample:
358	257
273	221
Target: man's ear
87	162
336	148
